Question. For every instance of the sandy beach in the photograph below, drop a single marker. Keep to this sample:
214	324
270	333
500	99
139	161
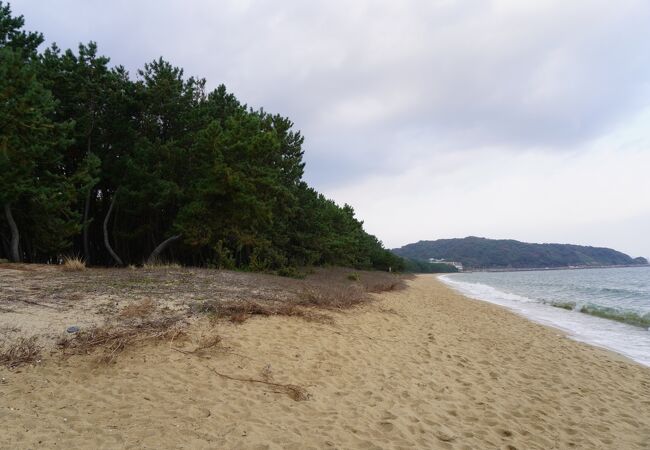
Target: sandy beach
418	368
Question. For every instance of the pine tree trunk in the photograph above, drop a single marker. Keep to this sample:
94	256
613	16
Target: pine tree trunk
106	242
85	233
161	248
14	246
89	194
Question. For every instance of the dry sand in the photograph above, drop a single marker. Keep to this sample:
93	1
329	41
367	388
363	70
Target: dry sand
419	368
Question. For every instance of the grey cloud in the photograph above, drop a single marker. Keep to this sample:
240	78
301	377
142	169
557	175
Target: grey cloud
367	79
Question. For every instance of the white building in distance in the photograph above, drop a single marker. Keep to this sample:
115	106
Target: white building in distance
456	264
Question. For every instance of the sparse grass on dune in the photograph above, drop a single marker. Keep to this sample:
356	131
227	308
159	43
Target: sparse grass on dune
139	309
323	289
240	311
135	321
132	317
332	297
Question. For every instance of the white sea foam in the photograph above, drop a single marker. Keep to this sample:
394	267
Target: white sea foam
630	341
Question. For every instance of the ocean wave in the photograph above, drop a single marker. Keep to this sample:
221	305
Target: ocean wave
605	312
484	292
628	317
625	331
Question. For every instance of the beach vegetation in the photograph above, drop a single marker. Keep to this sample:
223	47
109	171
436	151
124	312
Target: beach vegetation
129	169
112	339
73	264
24	351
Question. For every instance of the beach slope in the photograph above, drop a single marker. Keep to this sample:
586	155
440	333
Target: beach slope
419	368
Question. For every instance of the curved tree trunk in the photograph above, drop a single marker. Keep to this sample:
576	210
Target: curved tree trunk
85	233
14	246
106	243
161	248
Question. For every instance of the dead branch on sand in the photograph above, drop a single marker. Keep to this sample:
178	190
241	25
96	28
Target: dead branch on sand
297	393
23	352
112	340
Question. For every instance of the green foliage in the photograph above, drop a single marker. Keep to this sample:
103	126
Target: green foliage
291	272
220	180
34	185
481	253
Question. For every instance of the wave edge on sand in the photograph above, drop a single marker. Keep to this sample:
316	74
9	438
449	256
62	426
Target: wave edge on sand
622	332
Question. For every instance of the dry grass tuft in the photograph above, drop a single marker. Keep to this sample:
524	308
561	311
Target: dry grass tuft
240	311
23	352
73	264
114	339
138	310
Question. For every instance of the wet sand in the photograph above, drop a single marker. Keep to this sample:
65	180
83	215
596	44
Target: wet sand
420	368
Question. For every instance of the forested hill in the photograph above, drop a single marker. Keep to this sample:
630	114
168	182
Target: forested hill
482	253
123	169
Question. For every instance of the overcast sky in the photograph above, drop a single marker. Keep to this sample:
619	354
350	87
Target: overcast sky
435	118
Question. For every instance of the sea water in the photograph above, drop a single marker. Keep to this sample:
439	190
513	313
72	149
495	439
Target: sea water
609	307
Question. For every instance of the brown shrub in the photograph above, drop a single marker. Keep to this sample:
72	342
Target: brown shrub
240	311
385	286
113	339
25	351
331	297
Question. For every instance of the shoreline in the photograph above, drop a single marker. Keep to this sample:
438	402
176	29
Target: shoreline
545	269
424	367
603	333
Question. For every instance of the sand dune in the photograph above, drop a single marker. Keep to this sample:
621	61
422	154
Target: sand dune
419	368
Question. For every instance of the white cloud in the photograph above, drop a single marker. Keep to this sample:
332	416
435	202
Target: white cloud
585	196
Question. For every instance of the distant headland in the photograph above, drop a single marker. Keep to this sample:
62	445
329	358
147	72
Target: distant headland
477	253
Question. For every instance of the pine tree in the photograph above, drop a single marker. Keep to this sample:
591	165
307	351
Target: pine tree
33	190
